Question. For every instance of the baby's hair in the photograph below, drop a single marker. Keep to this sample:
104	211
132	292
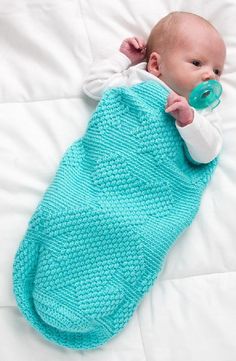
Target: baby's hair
164	34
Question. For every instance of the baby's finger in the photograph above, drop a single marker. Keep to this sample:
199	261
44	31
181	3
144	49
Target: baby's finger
141	42
173	107
134	42
143	51
138	43
173	97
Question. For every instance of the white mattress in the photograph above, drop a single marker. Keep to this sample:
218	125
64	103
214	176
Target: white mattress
46	48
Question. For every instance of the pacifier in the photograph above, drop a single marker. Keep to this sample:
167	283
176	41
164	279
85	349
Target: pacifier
206	94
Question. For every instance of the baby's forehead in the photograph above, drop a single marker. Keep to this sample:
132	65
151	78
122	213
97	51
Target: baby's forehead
205	48
194	29
200	35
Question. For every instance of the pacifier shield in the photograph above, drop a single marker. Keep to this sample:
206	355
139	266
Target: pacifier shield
206	94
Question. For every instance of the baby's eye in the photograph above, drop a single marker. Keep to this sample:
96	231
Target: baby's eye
196	63
217	72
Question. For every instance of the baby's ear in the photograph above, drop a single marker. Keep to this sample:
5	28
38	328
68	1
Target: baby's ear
153	65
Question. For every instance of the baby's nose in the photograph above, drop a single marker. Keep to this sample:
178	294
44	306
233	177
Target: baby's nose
208	75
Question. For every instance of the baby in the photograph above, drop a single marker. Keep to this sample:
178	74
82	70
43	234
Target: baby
125	191
182	51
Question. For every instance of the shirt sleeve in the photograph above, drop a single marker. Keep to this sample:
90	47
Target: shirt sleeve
203	137
105	74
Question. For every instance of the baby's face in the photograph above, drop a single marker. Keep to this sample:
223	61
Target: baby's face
198	56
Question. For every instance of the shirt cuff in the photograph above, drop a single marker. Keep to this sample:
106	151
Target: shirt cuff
121	59
189	131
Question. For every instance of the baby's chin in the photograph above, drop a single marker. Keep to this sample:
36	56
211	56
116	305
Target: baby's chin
183	94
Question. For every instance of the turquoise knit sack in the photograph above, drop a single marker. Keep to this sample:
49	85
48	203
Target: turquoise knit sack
98	239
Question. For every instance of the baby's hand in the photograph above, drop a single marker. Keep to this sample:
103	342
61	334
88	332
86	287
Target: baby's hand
134	48
179	108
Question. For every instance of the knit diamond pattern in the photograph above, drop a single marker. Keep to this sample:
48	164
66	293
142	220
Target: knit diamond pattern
98	239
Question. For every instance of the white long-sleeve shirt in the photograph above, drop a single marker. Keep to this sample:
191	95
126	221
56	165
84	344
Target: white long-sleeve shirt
203	137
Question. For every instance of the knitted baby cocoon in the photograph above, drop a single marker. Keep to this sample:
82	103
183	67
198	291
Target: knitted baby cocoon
121	196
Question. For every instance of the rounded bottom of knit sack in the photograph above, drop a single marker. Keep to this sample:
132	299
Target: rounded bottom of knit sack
79	275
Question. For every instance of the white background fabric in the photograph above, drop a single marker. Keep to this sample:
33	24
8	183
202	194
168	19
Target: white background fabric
46	48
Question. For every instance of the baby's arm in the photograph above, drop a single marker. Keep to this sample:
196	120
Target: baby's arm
200	132
110	72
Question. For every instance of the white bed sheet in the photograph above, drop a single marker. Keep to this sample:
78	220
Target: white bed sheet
46	47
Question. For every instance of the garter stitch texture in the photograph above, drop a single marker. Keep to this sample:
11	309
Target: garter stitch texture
121	196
